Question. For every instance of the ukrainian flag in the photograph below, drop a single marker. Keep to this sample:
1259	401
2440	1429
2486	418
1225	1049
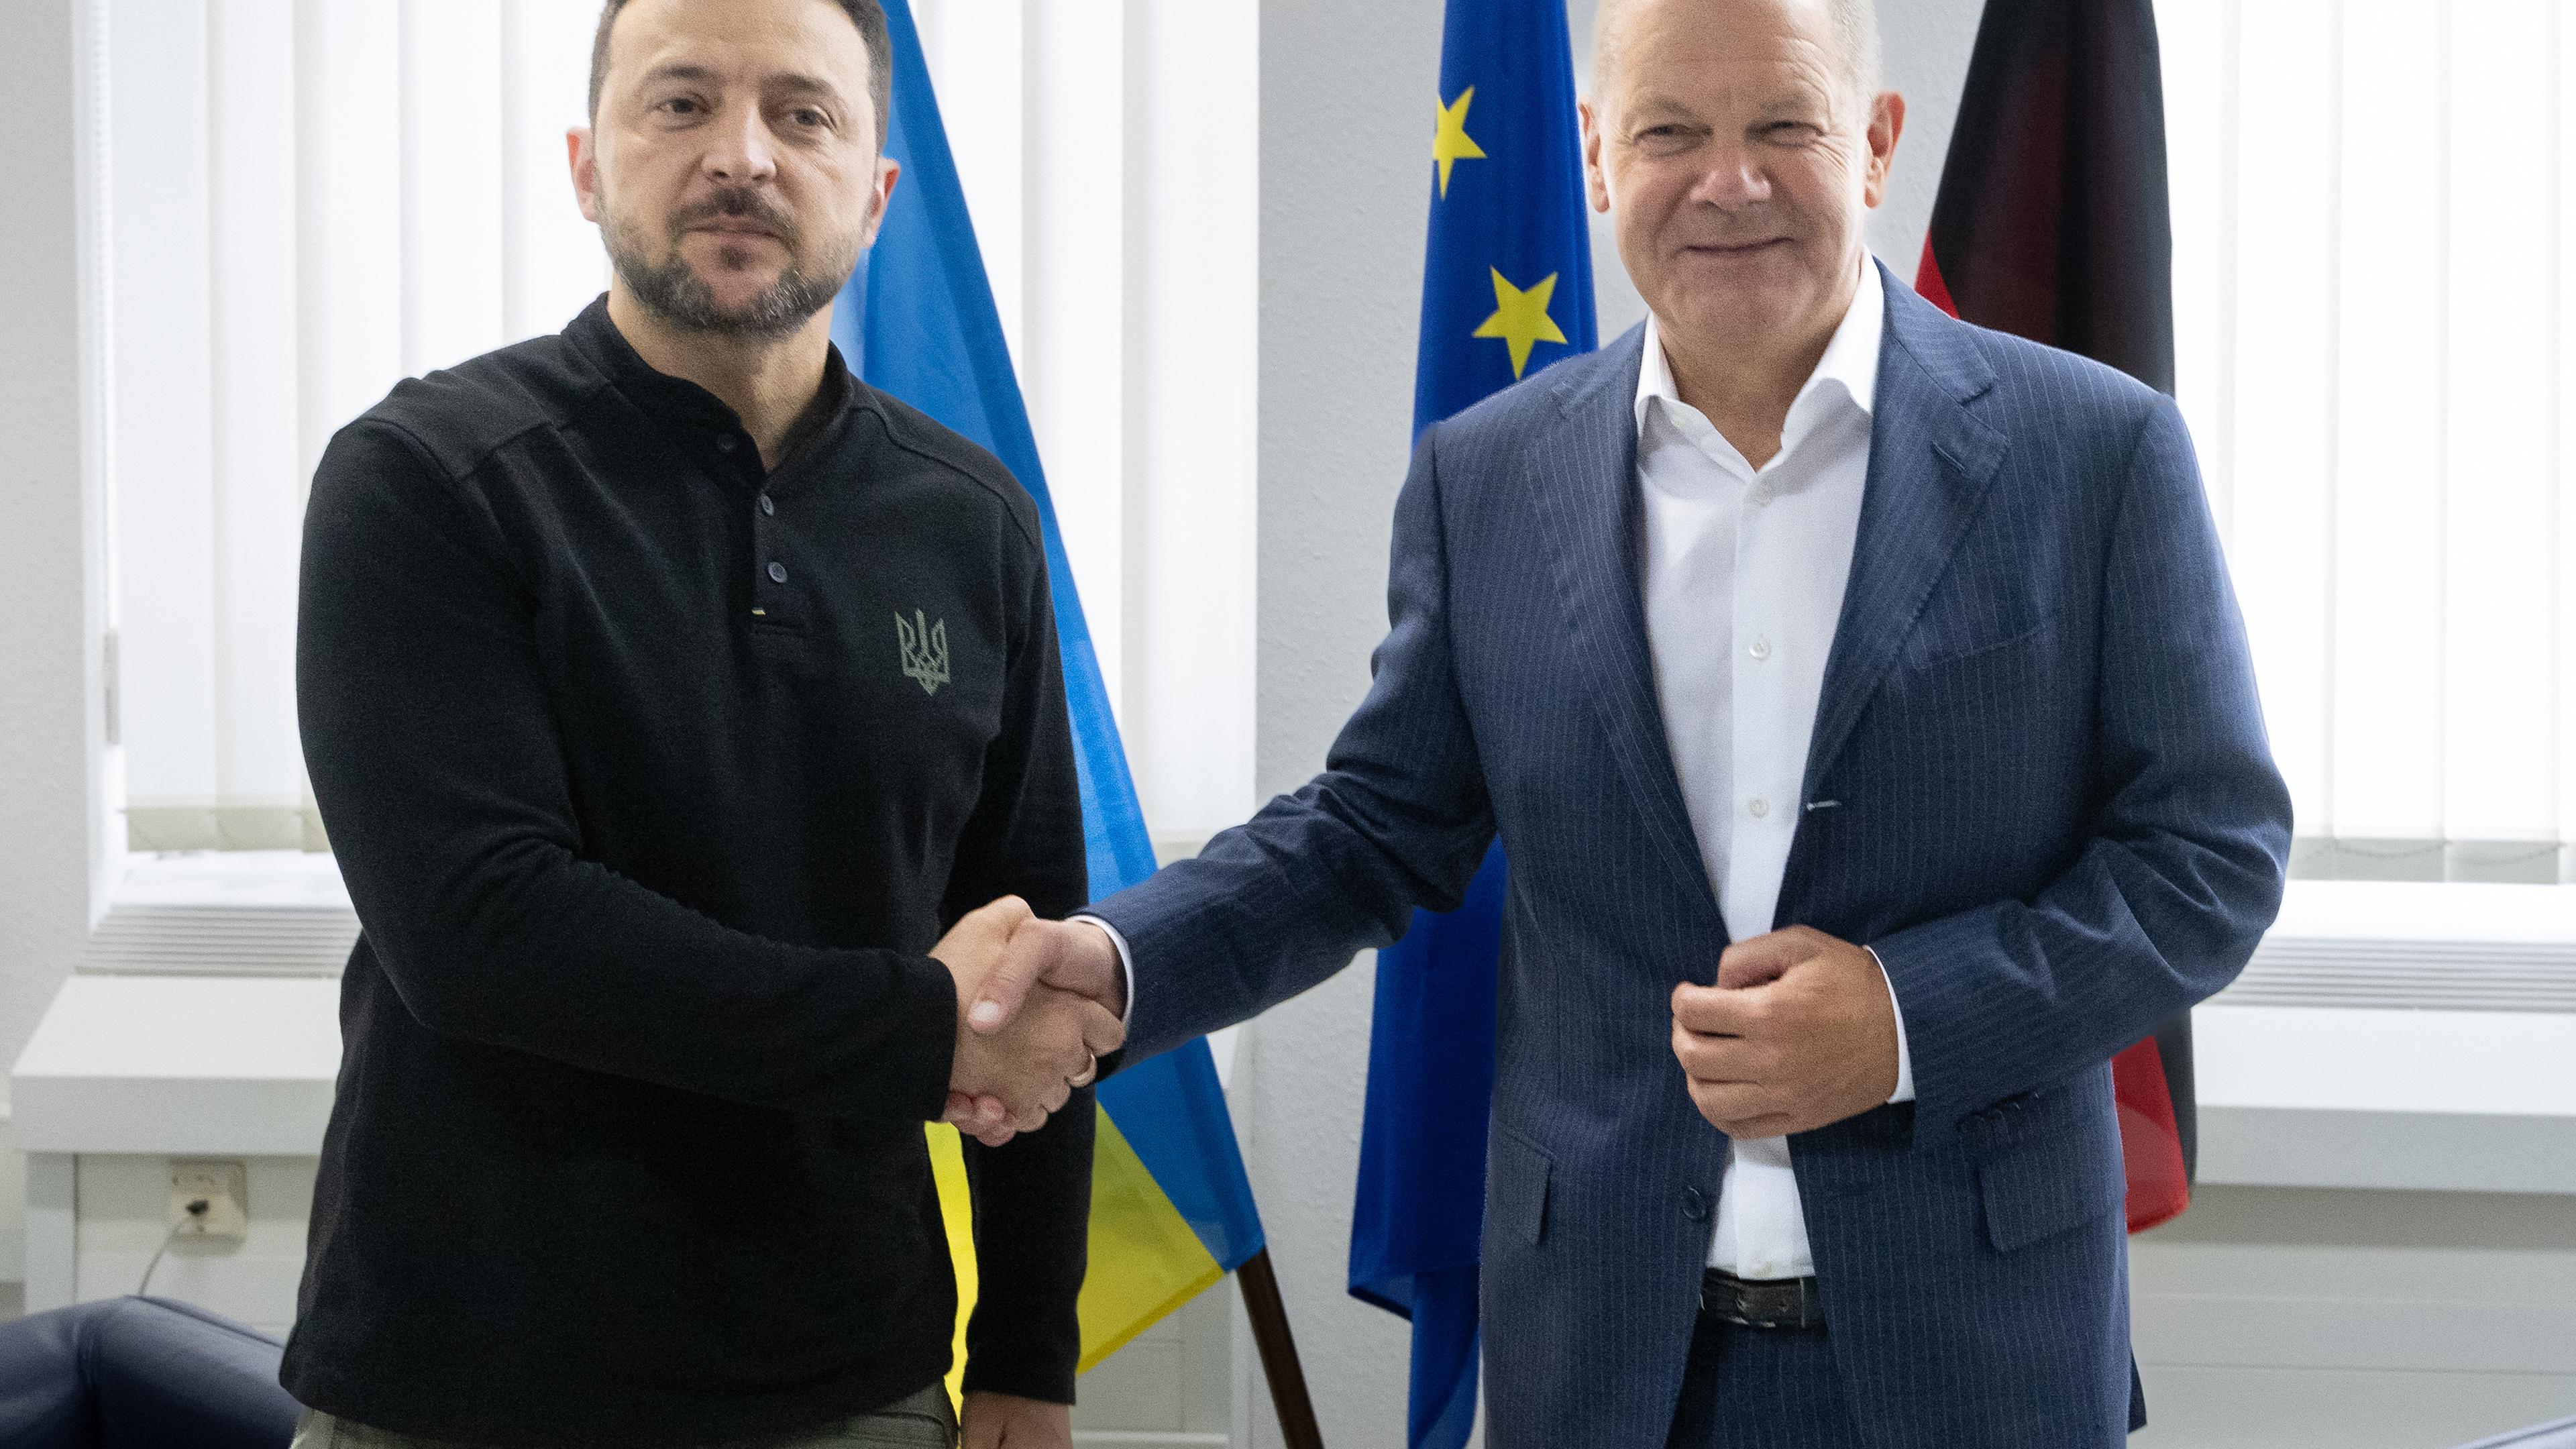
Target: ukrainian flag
1171	1210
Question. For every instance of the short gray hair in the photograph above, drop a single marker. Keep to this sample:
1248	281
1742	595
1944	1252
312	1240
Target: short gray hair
1855	24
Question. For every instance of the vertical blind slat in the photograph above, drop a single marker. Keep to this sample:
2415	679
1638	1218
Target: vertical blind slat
257	496
163	347
2386	671
553	263
451	181
2284	371
352	198
2499	735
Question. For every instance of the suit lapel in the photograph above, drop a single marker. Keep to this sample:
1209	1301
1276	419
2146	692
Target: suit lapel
1588	496
1930	462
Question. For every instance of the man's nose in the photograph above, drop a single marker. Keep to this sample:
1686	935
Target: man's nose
1734	178
744	151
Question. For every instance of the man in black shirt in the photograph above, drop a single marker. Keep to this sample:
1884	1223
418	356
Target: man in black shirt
668	693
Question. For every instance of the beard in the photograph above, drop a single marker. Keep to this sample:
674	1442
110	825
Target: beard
672	290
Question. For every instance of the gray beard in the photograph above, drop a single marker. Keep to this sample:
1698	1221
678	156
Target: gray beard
676	295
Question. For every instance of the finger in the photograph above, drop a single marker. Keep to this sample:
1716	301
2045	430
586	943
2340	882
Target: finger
1733	1101
1006	987
1030	1120
1722	1011
1723	1058
1763	958
996	1137
1775	1124
1101	1032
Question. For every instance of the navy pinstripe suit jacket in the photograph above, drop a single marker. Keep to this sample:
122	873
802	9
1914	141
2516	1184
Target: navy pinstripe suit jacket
2057	820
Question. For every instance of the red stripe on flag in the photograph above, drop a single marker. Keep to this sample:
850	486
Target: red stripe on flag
2150	1142
1928	284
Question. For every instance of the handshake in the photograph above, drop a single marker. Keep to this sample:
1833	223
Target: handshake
1038	1004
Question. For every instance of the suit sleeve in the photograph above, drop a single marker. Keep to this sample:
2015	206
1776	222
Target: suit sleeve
1033	1197
433	753
2184	867
1398	819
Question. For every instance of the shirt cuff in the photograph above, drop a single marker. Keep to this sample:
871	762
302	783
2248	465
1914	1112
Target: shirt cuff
1127	961
1904	1058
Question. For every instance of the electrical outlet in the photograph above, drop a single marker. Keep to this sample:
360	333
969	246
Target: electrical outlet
209	1200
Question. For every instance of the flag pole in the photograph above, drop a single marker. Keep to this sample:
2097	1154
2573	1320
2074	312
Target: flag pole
1269	1314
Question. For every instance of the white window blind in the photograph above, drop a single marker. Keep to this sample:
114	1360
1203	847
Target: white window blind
306	200
2373	243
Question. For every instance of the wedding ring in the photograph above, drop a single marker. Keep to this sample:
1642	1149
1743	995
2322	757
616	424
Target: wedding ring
1090	1074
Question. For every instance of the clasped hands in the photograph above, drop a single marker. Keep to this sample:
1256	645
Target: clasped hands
1799	1032
1038	1004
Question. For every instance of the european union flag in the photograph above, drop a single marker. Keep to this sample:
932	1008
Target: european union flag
1171	1208
1506	290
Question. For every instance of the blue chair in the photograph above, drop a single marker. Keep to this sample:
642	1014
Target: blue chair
140	1373
2556	1434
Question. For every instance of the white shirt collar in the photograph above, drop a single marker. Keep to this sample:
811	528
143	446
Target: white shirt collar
1850	360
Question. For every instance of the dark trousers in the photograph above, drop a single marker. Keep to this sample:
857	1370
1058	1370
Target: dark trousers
1761	1388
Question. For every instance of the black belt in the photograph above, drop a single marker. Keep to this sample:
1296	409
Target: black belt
1767	1303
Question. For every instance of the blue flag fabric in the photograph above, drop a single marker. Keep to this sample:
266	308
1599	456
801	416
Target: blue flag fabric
918	321
1506	290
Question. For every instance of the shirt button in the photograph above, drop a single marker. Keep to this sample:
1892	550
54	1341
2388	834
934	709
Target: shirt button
768	505
1761	649
1694	1204
778	573
724	442
1757	809
1763	494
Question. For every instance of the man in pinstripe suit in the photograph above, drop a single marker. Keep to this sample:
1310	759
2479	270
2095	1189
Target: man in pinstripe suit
1861	701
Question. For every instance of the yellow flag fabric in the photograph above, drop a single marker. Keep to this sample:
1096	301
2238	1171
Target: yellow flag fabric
1145	1260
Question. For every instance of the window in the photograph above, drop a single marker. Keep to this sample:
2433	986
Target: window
305	202
2372	244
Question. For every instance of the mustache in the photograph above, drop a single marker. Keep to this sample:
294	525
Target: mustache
741	204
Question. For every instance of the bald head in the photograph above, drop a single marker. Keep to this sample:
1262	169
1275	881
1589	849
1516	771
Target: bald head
1854	28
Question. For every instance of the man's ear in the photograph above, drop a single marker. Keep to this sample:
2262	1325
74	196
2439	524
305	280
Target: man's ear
1596	182
581	149
1886	124
889	171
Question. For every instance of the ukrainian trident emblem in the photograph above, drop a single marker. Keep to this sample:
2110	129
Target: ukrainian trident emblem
925	650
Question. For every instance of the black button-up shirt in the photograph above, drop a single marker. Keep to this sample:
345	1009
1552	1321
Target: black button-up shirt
654	774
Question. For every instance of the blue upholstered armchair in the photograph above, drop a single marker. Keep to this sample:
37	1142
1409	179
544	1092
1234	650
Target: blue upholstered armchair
140	1373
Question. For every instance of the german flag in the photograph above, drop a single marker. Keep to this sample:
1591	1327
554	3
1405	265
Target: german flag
2051	224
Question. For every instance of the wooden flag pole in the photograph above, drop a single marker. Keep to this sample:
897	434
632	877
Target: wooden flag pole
1269	1316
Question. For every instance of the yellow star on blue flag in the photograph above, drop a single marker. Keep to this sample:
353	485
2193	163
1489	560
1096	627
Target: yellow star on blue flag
1520	318
1450	143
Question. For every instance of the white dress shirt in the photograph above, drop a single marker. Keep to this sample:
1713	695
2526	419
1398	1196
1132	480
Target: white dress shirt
1744	571
1743	574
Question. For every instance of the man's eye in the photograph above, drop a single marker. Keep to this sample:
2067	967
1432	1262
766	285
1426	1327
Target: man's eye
680	106
808	116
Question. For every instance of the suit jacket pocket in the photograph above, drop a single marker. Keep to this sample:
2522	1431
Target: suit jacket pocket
2037	1185
1519	1173
1949	641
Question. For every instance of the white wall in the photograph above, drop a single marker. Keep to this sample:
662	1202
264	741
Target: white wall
49	700
1347	88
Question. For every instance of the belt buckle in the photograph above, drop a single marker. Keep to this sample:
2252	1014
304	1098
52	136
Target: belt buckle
1778	1303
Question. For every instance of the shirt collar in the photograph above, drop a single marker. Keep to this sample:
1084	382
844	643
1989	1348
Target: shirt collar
676	399
1850	360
